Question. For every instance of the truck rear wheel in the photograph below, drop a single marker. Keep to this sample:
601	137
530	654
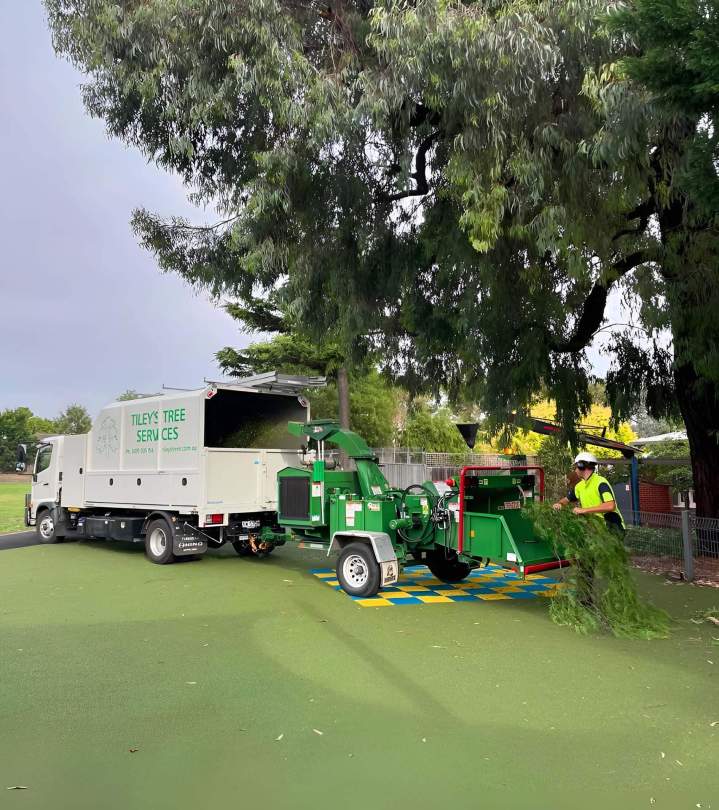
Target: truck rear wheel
158	542
444	564
358	571
46	528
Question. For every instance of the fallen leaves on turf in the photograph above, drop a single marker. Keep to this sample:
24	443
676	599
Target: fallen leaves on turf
18	787
317	731
277	739
133	750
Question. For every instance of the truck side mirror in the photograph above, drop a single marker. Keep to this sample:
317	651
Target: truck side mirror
20	464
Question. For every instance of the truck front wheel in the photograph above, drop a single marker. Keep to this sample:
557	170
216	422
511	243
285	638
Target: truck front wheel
158	542
358	571
46	528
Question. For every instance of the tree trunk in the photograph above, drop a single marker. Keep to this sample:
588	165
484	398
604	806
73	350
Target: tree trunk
343	393
697	398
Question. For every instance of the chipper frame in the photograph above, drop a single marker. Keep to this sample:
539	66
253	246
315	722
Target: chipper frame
451	527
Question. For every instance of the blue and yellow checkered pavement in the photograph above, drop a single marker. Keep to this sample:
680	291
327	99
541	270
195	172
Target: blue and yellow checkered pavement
418	586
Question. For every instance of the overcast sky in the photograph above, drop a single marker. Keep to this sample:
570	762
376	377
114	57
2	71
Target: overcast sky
84	311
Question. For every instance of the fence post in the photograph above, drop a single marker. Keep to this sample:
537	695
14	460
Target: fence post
688	550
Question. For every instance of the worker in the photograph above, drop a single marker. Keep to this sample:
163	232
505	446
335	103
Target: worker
595	496
593	493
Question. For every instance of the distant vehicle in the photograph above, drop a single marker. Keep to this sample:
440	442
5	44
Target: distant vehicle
177	472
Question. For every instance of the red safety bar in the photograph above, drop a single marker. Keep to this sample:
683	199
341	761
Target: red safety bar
462	475
547	566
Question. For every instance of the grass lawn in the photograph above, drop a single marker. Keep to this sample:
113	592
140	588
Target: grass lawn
221	674
12	507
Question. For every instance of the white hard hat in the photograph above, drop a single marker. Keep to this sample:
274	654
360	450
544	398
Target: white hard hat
587	458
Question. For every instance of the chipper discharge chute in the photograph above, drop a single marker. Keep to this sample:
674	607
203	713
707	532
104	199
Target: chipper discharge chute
377	528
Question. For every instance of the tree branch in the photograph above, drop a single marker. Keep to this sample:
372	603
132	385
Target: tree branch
593	308
176	226
420	173
642	212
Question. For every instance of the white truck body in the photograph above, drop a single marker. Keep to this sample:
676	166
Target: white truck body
202	453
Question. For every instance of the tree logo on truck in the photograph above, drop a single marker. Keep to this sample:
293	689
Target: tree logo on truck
108	438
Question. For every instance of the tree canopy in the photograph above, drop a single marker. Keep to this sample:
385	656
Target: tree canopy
453	188
73	420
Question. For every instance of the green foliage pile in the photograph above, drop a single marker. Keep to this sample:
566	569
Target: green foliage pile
610	602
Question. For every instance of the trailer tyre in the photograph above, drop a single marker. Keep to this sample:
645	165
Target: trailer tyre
446	567
46	528
358	571
158	542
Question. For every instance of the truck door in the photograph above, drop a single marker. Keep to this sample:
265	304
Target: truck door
45	478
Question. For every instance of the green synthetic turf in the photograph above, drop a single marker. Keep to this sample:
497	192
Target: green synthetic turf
12	507
201	666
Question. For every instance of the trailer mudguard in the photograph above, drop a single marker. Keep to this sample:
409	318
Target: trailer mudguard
381	547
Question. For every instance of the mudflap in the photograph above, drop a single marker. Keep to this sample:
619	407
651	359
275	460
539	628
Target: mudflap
187	542
389	573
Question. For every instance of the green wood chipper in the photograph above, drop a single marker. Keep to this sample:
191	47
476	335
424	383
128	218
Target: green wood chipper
451	526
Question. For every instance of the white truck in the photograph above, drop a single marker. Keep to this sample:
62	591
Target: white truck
176	471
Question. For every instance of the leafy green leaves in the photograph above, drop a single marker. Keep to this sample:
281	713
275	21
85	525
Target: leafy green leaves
599	592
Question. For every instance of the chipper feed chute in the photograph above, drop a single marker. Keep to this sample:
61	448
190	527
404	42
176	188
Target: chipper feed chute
491	523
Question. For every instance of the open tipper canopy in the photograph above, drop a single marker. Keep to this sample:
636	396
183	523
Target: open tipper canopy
491	522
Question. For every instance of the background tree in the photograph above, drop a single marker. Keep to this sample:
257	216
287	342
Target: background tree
677	59
130	393
290	349
73	420
454	188
15	428
431	431
678	476
373	405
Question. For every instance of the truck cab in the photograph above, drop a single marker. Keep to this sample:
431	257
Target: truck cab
44	496
57	482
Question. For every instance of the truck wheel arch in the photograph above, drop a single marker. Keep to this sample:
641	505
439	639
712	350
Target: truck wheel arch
176	523
170	517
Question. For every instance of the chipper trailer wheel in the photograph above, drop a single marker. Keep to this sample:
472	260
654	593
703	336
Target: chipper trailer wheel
158	542
357	570
444	564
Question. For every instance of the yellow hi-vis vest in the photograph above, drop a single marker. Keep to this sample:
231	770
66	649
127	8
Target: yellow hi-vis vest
595	491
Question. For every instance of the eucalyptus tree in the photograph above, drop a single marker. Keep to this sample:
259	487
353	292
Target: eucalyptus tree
453	187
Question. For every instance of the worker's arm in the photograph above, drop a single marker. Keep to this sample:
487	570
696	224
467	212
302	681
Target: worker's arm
570	497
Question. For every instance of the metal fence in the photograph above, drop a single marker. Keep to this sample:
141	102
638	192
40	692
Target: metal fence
679	543
403	466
